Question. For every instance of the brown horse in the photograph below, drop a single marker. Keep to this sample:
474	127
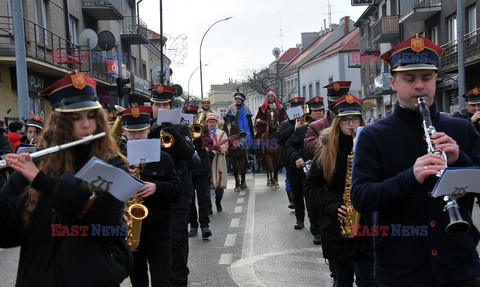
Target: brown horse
237	151
271	150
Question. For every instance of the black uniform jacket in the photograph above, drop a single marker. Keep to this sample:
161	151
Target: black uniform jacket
201	144
328	198
168	191
383	181
294	146
63	260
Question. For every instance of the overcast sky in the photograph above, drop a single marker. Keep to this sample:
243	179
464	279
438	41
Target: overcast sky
242	43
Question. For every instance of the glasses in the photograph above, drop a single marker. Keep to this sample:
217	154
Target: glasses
355	120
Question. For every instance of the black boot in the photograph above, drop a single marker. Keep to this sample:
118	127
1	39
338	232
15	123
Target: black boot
299	224
290	198
218	202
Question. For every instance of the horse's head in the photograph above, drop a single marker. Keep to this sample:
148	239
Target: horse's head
272	119
231	125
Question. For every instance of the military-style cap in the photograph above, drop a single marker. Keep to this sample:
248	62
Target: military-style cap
136	118
35	121
347	105
473	96
415	53
297	101
337	89
191	109
315	103
73	93
162	94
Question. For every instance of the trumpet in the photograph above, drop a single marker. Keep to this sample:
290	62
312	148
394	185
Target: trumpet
166	139
302	120
196	130
53	149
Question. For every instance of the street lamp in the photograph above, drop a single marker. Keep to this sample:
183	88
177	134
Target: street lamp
188	86
201	42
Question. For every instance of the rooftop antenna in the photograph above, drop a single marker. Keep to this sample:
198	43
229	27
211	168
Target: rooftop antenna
329	13
281	31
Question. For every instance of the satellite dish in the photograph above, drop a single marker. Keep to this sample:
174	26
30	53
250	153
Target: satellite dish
178	90
156	73
88	38
276	52
106	40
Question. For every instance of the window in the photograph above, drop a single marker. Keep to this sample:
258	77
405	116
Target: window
134	65
304	91
223	112
144	70
452	28
41	20
73	30
310	91
330	79
317	88
471	19
10	14
434	34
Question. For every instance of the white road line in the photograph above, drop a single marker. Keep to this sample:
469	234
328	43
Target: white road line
241	200
238	209
230	241
234	223
241	193
225	259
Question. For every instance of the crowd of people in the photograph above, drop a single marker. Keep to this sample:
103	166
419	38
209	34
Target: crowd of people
349	183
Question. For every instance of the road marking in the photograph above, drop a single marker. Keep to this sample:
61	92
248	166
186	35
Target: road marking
230	241
241	193
238	209
225	259
235	222
241	200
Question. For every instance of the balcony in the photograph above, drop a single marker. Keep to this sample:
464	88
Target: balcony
418	10
103	9
471	53
385	30
48	53
366	45
366	91
381	85
134	31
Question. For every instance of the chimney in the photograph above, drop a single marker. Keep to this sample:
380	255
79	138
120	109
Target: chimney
325	23
346	23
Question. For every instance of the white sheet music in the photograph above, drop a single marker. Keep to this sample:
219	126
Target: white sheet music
171	116
294	113
187	119
148	149
121	184
458	180
28	149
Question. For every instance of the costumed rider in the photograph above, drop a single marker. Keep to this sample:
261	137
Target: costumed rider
243	115
271	103
202	113
182	151
162	188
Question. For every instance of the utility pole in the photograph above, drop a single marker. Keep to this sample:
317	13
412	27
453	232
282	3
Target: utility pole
460	46
21	60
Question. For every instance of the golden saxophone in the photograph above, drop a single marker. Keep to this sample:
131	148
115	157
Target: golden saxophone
352	219
136	212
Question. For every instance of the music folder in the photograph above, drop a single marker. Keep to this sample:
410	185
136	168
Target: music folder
28	149
103	176
294	113
458	180
146	151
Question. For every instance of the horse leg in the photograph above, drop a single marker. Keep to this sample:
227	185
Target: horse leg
269	175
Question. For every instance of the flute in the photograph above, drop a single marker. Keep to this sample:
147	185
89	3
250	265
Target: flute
53	149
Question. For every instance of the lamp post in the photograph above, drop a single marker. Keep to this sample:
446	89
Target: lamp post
201	42
188	86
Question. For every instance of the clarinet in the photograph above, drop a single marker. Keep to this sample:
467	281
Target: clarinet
457	225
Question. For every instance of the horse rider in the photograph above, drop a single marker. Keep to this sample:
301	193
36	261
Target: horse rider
243	115
271	103
182	151
204	111
284	131
335	91
295	162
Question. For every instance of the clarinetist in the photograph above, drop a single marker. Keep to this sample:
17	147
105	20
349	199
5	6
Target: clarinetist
393	176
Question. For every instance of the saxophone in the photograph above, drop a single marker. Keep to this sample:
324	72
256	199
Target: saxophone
136	212
352	219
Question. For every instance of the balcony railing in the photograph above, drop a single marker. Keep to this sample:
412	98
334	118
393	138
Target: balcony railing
103	9
366	45
449	58
382	84
53	50
134	30
418	10
385	29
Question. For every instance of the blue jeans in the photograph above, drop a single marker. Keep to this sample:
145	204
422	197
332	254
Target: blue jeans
362	269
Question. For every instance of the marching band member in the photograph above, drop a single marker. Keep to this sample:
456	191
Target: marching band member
326	184
34	126
181	151
45	193
161	189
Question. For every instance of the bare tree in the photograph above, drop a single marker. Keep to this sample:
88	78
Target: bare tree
263	79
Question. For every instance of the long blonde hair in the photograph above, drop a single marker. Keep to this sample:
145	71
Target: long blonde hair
58	131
